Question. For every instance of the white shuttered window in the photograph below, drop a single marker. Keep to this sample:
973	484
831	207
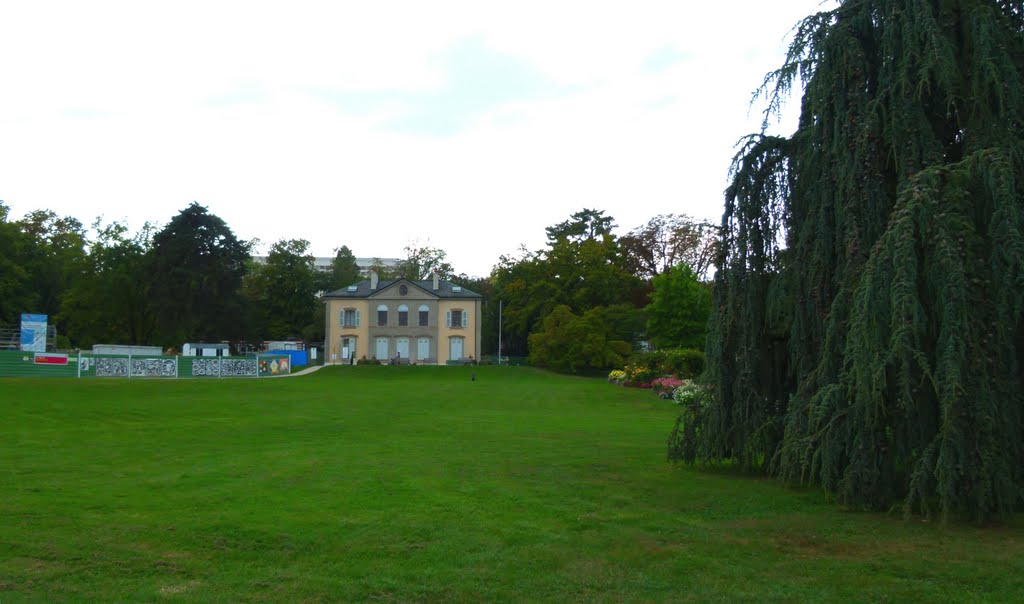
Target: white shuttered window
456	318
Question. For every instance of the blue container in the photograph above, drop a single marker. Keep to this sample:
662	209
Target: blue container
298	357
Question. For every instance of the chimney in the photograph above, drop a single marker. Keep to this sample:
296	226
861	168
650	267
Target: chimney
373	280
433	276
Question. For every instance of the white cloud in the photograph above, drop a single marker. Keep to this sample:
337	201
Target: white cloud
134	110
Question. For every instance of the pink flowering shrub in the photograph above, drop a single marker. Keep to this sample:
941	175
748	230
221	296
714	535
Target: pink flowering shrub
665	386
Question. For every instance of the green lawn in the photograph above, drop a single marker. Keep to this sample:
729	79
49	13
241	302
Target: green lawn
418	484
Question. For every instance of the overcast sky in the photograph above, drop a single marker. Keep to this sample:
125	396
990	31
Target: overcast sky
468	126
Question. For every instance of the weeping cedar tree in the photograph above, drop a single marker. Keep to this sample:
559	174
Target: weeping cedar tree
868	331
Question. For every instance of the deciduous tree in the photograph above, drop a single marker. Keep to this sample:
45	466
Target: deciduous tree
344	270
288	284
108	303
582	268
677	316
53	260
667	240
16	292
423	260
572	344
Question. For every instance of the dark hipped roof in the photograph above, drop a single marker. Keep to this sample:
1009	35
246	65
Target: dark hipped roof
362	289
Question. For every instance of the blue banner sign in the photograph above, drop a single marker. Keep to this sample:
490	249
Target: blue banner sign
33	333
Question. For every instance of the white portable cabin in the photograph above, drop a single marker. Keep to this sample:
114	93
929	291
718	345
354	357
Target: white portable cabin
198	349
284	345
127	349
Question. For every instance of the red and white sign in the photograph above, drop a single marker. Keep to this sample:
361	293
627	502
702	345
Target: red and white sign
42	358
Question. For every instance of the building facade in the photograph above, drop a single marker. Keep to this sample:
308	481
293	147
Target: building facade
424	322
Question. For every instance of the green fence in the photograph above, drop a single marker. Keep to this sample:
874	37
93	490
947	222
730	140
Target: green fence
491	359
88	365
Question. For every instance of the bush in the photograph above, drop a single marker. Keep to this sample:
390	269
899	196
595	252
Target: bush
689	393
617	376
666	386
684	440
639	376
575	344
685	363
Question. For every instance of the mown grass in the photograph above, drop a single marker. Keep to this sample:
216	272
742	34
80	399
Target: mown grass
419	484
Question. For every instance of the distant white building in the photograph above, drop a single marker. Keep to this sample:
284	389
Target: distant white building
127	349
323	263
197	349
284	345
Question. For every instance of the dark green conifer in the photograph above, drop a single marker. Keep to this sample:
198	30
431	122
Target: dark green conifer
868	330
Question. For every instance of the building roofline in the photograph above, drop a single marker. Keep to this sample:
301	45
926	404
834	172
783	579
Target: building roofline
364	292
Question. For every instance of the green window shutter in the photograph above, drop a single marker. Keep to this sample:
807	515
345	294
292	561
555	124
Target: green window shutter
465	319
357	318
448	318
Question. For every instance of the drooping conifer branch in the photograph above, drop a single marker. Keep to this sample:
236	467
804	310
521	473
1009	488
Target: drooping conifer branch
868	332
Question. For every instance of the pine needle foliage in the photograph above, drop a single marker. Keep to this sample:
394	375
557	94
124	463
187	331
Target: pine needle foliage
868	330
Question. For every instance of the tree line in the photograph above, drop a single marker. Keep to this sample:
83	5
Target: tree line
587	299
193	279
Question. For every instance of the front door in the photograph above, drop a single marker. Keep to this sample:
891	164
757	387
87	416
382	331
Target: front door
347	350
402	347
422	349
456	348
382	349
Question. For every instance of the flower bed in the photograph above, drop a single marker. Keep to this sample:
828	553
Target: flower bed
688	393
665	386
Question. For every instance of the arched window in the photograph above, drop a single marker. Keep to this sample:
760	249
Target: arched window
403	315
424	315
382	315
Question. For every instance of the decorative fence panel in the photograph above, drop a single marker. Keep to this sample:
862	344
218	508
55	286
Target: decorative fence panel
221	367
87	365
